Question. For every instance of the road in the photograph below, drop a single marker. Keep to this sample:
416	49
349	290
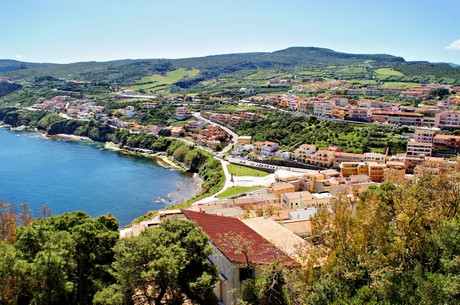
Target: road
234	136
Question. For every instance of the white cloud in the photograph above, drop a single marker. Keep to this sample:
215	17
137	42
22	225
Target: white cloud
19	56
454	45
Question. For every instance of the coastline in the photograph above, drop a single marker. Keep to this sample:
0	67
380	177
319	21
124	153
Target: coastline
160	157
68	137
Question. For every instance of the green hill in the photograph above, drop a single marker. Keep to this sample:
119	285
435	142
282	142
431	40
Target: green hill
129	72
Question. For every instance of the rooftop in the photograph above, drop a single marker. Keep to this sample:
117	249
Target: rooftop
221	229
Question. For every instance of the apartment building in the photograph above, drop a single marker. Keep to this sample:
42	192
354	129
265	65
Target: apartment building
447	120
348	169
424	136
416	152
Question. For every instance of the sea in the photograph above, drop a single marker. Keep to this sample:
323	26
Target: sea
69	175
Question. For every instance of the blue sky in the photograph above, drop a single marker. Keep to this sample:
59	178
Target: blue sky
64	31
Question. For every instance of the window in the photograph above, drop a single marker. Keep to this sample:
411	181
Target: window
246	273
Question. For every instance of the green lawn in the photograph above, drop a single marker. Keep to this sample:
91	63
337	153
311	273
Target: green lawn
237	190
405	85
238	170
157	80
388	72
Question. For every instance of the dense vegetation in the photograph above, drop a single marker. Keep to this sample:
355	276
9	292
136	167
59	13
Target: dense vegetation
290	131
75	259
128	72
400	246
7	88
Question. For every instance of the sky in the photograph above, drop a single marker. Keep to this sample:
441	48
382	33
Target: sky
63	31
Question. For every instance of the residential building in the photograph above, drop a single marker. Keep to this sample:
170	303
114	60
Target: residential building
394	172
376	171
266	148
424	135
227	236
280	188
447	120
348	169
449	141
281	237
182	113
374	157
340	157
303	152
295	200
416	152
244	140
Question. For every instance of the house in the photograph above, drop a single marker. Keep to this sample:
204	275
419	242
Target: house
447	120
182	113
266	148
376	171
425	136
394	172
280	188
348	169
281	237
304	151
129	111
416	152
242	140
239	251
295	200
449	141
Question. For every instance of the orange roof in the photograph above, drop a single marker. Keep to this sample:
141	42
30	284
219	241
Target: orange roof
221	229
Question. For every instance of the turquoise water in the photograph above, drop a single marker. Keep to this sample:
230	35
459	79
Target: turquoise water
70	176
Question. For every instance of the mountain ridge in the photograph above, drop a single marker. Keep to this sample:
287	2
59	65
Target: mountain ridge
127	71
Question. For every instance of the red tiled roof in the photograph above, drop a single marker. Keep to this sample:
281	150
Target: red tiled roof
219	227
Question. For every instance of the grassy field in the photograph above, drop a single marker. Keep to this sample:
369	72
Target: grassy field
405	85
158	81
238	170
237	190
388	72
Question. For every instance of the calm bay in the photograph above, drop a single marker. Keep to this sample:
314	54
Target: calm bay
70	176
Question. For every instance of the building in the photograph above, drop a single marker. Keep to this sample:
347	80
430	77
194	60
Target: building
242	140
447	120
280	188
182	113
424	135
416	152
449	141
348	169
295	200
281	237
266	148
303	152
376	171
239	251
395	172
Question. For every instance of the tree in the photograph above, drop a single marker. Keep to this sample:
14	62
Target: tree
66	257
165	263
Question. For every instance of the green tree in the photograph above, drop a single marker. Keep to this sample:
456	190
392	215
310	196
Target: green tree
67	258
166	263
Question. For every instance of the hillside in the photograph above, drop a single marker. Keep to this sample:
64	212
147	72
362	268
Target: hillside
130	72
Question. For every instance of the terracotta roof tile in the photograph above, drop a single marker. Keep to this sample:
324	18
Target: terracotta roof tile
219	227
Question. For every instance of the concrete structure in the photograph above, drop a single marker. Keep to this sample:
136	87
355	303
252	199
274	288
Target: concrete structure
424	135
295	200
348	169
